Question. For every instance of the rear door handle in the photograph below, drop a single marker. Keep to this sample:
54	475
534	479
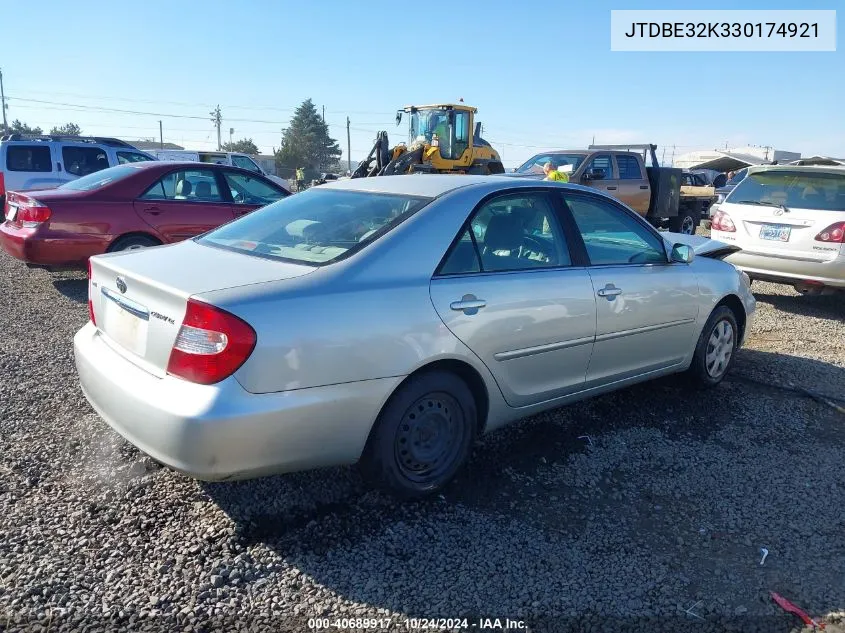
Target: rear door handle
611	188
643	186
152	210
609	291
469	304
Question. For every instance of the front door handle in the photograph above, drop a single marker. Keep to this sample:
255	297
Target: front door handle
469	304
609	292
643	186
611	188
152	210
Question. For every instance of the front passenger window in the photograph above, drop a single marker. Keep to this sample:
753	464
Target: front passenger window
612	236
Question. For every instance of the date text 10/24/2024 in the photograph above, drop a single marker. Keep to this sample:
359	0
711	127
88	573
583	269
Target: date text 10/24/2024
418	624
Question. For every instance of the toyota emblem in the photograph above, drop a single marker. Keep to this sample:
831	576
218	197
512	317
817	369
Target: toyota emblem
121	285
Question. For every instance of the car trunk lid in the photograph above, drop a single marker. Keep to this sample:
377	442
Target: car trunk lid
787	232
139	298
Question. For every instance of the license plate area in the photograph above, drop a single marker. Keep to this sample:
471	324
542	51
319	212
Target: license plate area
125	322
775	232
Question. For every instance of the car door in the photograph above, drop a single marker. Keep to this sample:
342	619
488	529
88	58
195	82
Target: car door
633	185
600	173
184	203
508	289
646	307
250	191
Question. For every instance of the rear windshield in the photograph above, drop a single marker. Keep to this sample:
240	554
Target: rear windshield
317	226
100	178
799	189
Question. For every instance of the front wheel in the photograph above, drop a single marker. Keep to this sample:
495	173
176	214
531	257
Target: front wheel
422	437
716	348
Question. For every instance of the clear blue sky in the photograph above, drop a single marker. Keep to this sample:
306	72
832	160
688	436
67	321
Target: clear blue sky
541	74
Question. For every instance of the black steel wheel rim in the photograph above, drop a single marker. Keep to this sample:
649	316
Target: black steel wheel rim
429	438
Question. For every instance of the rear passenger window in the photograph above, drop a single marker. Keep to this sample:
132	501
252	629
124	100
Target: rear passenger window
81	161
629	168
513	232
131	157
28	158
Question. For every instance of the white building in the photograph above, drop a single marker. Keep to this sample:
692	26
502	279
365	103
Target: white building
734	158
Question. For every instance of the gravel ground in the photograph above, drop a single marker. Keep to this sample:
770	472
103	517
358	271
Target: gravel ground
653	521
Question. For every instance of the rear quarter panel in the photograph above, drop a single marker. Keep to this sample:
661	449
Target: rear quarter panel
85	226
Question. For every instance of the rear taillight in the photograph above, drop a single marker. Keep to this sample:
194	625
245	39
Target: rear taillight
90	302
30	212
722	222
211	345
2	185
835	233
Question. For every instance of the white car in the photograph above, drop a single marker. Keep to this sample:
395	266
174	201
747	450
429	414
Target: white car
789	221
29	162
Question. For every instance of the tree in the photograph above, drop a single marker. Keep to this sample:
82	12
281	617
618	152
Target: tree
68	129
306	142
18	127
244	146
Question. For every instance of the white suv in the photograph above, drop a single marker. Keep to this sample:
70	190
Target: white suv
45	162
789	221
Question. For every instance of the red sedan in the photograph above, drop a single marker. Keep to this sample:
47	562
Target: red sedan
128	206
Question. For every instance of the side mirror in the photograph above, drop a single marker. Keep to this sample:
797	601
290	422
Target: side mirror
398	117
682	254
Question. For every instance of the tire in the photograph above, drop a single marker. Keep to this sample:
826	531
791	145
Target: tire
719	339
422	436
685	222
133	242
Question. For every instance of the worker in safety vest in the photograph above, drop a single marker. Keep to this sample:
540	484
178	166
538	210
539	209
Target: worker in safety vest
441	130
300	178
554	174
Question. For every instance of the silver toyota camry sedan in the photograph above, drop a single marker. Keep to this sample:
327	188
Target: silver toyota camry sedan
390	321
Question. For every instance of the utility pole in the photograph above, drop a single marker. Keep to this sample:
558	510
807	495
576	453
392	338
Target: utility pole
663	158
348	148
231	131
673	156
161	134
217	119
324	114
3	104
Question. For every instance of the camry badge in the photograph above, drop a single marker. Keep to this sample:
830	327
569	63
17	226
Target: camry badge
121	285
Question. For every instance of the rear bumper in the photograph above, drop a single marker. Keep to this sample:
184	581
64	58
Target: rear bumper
789	271
41	248
220	432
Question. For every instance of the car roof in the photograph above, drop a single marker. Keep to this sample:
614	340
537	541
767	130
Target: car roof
426	185
809	169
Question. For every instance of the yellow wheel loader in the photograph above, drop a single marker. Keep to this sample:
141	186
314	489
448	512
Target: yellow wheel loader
442	139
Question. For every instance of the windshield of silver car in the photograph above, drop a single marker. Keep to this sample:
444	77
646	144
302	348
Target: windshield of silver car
792	189
317	226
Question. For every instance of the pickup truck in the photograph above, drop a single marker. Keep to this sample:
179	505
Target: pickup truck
665	196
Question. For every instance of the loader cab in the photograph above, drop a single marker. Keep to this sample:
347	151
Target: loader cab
452	126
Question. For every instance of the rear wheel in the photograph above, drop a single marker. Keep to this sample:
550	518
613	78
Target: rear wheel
685	222
422	437
716	348
133	242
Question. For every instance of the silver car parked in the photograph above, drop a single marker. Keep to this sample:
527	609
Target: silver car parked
390	321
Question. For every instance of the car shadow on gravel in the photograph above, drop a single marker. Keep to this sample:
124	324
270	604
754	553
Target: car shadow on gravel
643	502
73	288
820	306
